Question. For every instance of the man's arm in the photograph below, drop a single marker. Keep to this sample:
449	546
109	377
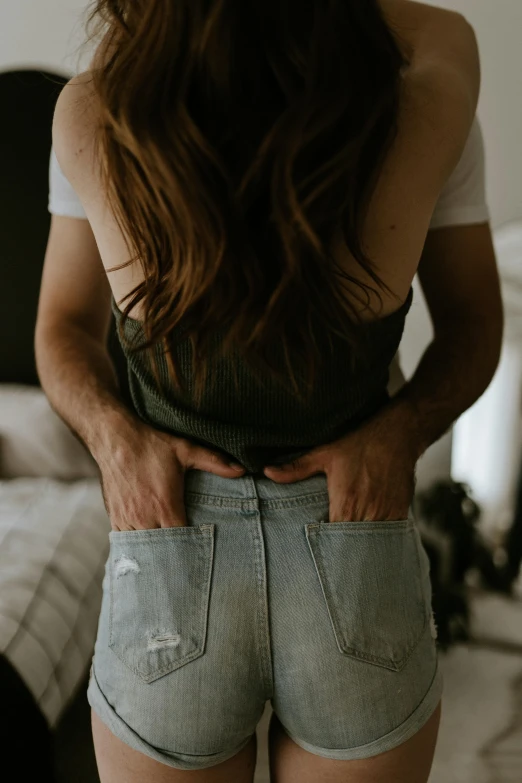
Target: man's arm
74	312
73	363
459	278
462	203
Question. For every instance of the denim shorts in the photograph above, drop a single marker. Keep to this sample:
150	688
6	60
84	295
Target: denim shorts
261	598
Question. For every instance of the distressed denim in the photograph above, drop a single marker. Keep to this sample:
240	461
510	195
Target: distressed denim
261	598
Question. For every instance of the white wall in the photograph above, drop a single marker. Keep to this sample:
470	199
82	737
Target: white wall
41	33
47	34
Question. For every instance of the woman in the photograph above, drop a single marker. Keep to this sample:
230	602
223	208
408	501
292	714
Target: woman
259	180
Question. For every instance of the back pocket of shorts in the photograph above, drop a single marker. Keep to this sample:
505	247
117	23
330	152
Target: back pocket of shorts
159	597
371	578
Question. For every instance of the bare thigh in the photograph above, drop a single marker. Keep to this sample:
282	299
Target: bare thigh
119	763
408	763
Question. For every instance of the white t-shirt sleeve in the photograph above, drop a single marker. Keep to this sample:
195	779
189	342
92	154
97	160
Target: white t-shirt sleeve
463	198
63	199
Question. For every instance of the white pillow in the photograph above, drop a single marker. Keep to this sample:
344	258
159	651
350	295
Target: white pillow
35	442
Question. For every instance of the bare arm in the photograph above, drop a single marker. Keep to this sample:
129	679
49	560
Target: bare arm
141	469
73	363
457	270
459	278
74	314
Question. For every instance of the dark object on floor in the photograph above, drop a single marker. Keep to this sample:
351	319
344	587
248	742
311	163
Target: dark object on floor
65	755
513	543
448	518
25	736
74	756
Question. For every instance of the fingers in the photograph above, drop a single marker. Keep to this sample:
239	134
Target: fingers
175	515
308	465
197	457
286	474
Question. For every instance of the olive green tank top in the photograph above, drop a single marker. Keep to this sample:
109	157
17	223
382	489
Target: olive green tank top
264	424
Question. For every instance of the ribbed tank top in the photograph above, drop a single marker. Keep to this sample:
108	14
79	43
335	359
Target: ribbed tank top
258	425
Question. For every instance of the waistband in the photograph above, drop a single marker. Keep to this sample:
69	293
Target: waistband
255	491
252	491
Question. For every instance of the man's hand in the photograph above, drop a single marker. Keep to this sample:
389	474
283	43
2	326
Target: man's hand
370	472
143	477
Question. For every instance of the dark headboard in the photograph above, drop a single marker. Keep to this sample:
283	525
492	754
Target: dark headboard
28	99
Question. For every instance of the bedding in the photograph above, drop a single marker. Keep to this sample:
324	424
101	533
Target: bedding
35	441
54	544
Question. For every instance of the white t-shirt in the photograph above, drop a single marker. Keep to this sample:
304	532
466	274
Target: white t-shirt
462	201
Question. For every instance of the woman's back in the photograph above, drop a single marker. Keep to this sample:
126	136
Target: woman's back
439	94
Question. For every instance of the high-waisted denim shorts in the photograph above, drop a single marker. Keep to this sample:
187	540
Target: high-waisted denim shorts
260	597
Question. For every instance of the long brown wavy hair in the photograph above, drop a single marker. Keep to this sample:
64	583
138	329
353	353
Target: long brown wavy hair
235	139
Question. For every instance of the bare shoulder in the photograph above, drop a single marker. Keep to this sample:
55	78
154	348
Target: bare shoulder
439	95
434	33
73	127
445	54
441	91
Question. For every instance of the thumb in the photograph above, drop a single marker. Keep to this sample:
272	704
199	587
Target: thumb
297	470
201	458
